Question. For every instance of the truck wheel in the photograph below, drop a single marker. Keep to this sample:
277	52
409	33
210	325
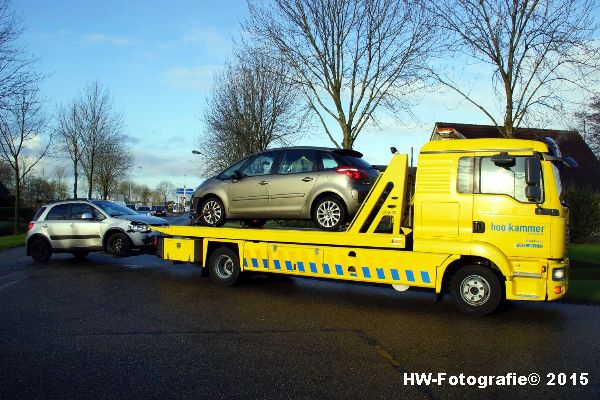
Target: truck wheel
224	266
213	212
118	244
476	290
40	250
329	213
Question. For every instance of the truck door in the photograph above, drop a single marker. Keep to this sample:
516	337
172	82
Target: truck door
509	220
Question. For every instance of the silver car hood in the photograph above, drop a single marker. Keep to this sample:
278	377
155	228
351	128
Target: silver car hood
144	218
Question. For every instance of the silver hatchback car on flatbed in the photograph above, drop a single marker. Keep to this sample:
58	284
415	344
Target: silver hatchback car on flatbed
82	226
323	184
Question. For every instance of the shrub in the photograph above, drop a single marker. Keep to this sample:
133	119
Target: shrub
584	206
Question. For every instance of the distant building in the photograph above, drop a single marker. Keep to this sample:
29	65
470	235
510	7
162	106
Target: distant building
571	144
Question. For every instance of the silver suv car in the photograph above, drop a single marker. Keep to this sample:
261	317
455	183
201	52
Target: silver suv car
81	226
322	184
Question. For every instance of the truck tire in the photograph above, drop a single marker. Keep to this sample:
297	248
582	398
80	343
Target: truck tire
212	211
118	244
476	290
224	266
329	213
40	250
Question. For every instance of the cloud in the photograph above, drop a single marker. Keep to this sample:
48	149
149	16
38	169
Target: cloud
207	37
195	78
104	39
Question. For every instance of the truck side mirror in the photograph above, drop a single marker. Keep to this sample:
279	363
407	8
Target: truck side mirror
532	171
533	177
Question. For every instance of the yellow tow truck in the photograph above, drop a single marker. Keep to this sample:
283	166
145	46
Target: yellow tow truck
480	218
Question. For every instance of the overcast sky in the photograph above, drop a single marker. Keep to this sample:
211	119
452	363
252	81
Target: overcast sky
158	58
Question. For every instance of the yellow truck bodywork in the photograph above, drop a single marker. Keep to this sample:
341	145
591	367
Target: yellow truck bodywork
421	236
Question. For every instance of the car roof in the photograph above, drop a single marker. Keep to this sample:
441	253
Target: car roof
342	152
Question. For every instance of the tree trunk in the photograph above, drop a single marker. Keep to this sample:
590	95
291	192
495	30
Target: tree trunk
76	176
17	198
348	142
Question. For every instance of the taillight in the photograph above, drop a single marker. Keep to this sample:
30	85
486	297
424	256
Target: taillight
352	172
30	226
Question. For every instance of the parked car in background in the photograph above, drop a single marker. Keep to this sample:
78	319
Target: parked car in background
323	184
131	205
82	226
143	210
159	211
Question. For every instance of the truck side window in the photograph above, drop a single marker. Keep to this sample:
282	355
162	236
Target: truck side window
509	180
465	174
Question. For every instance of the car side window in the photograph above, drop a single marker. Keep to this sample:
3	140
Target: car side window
326	161
296	161
58	213
262	164
78	209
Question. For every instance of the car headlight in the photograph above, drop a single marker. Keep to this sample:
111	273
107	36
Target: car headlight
138	227
558	274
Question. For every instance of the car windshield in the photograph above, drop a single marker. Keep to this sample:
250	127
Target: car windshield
113	209
143	208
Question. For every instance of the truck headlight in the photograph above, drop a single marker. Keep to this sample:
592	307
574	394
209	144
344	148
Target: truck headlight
138	227
558	274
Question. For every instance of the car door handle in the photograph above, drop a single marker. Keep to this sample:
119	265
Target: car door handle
307	179
72	225
263	182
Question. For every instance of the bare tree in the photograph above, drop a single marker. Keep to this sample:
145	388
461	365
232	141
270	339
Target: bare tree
21	129
112	163
166	190
59	176
589	124
17	74
537	51
145	193
70	134
99	121
350	57
252	106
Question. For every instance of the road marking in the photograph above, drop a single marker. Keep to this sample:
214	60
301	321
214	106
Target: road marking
7	280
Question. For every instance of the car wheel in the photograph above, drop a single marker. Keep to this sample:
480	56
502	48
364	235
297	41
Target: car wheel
329	213
224	266
80	255
40	250
118	244
255	223
476	290
212	212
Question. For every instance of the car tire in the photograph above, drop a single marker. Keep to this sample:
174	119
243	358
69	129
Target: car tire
213	212
80	254
118	244
329	213
40	250
255	222
476	290
224	266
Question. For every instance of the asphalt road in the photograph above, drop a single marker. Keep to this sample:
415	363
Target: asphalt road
139	327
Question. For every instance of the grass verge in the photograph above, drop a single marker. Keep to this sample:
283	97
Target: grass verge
585	252
9	241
